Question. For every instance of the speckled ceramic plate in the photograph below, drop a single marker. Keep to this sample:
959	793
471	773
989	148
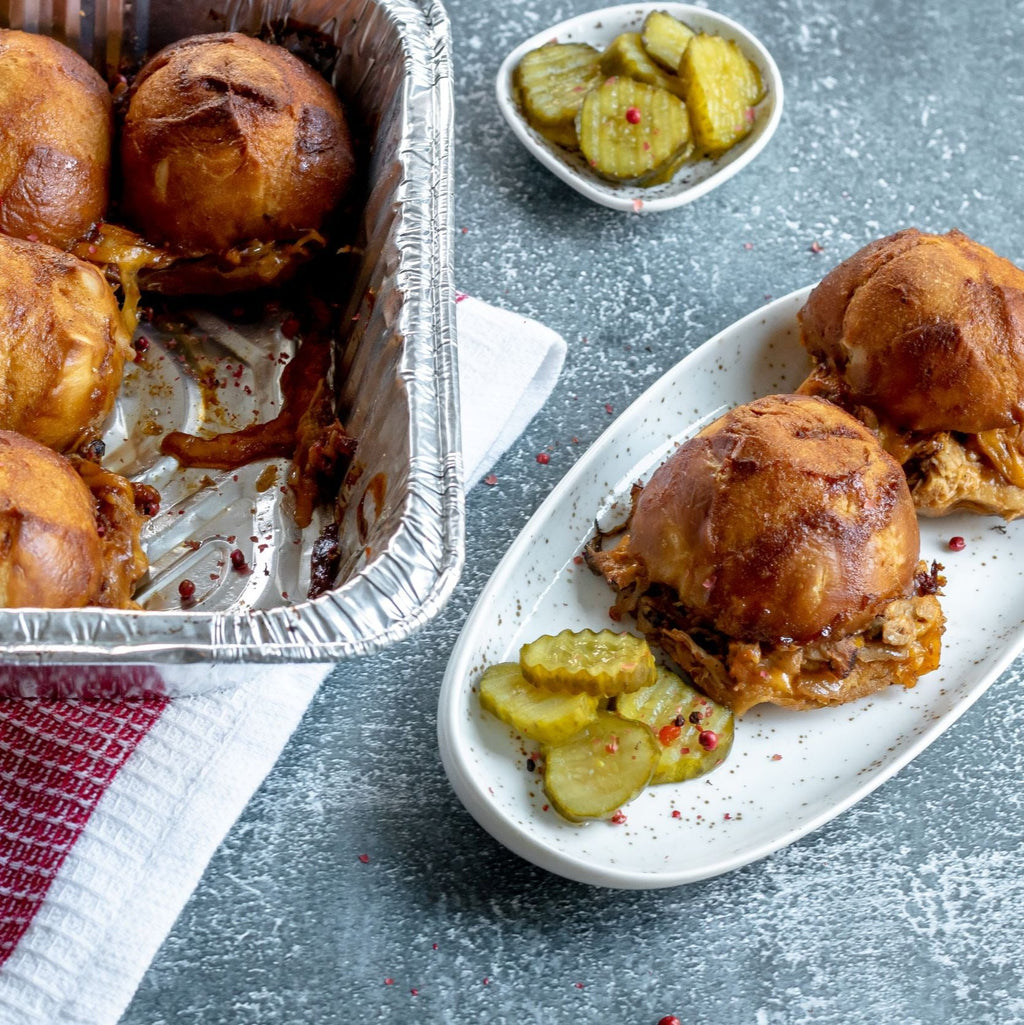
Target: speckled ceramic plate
696	178
788	772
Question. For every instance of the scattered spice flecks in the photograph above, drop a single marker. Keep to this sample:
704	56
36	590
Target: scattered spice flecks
609	408
579	985
748	245
638	205
415	992
490	480
817	247
487	981
957	544
389	982
364	858
578	560
543	458
676	813
776	758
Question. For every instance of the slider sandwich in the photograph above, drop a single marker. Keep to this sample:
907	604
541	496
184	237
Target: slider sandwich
921	337
775	557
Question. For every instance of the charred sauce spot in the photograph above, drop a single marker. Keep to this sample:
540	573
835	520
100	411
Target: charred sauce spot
325	559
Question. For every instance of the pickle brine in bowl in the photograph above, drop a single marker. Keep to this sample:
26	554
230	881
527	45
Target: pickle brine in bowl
595	98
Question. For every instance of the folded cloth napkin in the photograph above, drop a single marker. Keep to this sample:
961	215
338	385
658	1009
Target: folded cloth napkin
109	813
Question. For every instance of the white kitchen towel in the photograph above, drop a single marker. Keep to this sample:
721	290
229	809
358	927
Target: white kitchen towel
109	813
508	355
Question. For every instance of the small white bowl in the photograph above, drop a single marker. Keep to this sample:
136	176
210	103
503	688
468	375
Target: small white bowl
697	177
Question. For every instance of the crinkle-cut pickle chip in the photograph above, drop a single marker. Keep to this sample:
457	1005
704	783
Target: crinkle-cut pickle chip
630	131
722	87
625	57
604	663
678	715
551	82
543	715
608	763
665	38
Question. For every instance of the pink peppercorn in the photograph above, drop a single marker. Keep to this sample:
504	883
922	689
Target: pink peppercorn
708	740
957	544
543	458
633	116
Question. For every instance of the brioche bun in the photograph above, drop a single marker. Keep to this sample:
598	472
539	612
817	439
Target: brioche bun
55	140
782	521
50	550
227	140
63	345
926	331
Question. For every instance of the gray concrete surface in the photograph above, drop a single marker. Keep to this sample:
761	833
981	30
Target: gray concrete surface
906	909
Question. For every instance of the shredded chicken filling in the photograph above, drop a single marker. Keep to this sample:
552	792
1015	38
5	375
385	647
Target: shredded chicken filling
899	645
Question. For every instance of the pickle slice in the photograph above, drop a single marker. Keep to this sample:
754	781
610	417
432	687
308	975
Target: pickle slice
668	171
603	663
722	87
626	57
603	767
694	733
543	715
630	131
550	83
665	38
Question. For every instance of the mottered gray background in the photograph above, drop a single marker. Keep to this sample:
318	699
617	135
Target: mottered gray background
908	908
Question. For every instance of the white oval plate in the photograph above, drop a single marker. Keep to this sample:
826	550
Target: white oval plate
789	772
695	179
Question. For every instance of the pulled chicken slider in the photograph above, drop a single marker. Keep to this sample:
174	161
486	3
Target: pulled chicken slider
55	140
63	345
921	337
69	530
234	154
775	556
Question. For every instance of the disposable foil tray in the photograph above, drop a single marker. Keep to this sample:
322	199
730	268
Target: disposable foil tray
401	534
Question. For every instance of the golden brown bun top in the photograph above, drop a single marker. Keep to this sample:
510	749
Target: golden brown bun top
925	330
55	139
229	139
782	519
63	344
50	553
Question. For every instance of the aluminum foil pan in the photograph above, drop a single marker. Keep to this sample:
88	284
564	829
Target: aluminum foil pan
401	534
